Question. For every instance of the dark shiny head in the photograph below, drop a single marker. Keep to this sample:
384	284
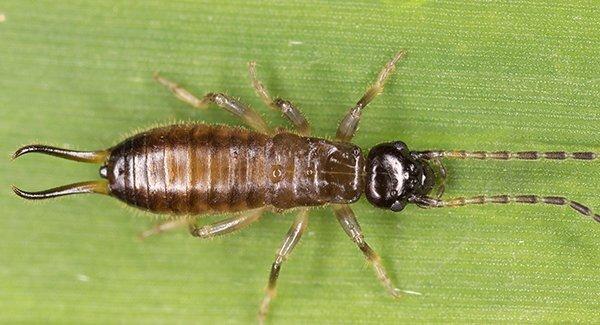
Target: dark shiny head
394	176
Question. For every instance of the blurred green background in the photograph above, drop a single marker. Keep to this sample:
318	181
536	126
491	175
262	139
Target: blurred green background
479	75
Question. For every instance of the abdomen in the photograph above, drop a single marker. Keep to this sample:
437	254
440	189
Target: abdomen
199	168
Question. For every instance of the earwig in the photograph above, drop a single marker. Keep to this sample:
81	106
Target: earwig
199	169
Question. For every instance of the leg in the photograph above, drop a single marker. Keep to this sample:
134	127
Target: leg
166	226
290	241
428	202
293	114
226	102
350	225
225	226
349	123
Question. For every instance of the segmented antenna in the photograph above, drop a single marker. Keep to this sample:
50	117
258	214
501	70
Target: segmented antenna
429	202
506	155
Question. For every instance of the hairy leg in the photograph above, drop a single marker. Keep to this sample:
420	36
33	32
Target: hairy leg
349	123
290	241
226	102
166	226
226	226
346	217
291	112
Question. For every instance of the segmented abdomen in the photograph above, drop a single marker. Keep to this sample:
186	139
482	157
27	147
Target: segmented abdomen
199	168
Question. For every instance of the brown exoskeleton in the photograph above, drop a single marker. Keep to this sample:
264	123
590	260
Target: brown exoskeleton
196	169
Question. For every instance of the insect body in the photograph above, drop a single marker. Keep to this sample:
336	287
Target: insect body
197	169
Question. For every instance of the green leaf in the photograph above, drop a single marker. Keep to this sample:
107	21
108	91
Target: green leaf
478	76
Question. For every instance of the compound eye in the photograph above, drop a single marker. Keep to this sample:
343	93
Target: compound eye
103	172
400	146
398	206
